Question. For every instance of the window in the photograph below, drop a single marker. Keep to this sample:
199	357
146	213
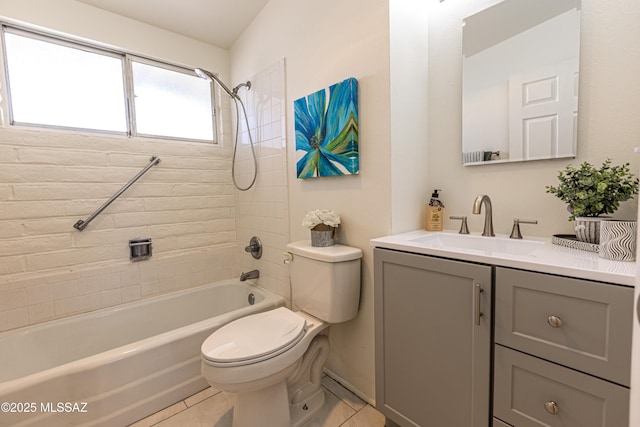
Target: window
171	103
56	83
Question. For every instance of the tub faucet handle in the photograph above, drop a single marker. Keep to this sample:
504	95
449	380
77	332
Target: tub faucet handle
515	231
464	229
255	247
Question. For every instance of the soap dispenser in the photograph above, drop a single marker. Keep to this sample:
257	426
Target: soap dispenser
434	213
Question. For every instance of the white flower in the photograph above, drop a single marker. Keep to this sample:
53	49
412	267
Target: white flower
321	216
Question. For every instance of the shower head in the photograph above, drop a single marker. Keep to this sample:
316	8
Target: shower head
204	74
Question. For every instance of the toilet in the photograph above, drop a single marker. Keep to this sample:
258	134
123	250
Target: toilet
271	362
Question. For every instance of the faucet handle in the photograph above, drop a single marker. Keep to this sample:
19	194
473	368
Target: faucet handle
255	247
515	231
464	229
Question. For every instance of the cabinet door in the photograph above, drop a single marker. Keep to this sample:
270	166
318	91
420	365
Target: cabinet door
433	347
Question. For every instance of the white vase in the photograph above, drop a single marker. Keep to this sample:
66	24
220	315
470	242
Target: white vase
587	228
618	240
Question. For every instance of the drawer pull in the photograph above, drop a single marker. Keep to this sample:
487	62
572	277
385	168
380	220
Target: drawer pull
554	321
552	407
478	313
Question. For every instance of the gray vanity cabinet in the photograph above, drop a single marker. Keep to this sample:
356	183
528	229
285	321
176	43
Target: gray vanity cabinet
563	351
433	340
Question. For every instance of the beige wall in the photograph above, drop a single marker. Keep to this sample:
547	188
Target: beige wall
324	43
608	119
409	107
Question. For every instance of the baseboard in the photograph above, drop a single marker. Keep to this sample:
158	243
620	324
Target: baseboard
350	387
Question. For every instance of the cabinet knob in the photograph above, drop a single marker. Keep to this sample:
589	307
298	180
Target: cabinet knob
552	407
554	321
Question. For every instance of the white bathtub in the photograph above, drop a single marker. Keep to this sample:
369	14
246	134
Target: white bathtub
114	366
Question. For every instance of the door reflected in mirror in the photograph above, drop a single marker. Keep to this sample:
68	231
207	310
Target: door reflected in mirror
520	81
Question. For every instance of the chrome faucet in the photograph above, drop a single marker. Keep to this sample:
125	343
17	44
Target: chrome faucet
253	274
488	214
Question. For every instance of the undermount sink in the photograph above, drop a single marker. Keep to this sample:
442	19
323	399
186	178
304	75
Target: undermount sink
479	243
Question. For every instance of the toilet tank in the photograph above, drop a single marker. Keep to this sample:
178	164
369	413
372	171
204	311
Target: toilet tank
325	281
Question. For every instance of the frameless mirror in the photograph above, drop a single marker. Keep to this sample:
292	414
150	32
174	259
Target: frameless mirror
520	81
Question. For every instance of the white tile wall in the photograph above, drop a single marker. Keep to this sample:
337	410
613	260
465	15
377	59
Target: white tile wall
49	180
199	224
263	211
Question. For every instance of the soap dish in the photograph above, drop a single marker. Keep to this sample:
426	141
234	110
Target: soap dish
571	241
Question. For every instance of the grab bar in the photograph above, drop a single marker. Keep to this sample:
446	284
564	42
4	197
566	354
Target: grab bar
80	225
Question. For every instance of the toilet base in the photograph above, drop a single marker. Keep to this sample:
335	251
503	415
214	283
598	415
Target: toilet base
303	411
270	403
286	399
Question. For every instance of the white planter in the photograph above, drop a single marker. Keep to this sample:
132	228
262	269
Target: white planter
618	240
588	228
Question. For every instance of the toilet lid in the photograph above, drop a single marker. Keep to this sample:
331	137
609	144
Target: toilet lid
254	338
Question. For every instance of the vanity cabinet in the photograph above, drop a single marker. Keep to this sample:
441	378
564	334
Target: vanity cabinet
433	340
563	351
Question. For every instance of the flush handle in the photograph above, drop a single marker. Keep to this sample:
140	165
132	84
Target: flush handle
288	257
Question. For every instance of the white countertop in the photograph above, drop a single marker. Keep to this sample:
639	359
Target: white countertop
548	258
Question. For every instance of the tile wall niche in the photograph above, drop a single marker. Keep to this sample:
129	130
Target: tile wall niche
49	180
263	210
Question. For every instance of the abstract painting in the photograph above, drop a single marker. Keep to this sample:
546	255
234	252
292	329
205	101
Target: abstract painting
326	125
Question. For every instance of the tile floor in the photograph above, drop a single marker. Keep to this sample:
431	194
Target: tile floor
211	408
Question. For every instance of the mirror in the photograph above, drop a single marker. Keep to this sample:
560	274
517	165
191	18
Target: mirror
520	81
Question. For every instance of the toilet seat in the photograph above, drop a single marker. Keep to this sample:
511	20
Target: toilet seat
254	338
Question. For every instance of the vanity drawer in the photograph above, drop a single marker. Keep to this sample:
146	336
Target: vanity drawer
533	392
578	323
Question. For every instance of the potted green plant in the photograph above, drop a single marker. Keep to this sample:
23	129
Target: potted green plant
591	192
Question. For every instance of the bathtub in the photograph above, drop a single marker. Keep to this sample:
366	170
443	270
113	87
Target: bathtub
114	366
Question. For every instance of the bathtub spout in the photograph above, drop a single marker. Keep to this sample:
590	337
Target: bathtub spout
253	274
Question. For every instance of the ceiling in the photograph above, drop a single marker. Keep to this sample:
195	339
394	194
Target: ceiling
217	22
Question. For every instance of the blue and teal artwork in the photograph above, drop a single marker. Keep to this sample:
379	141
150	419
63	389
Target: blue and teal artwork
326	124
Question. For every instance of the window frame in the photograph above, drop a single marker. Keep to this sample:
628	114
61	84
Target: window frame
129	88
128	95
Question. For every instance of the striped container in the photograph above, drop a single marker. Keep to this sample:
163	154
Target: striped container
618	240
